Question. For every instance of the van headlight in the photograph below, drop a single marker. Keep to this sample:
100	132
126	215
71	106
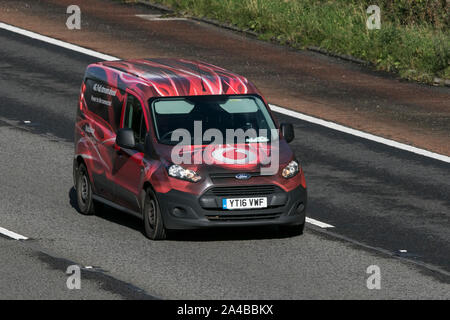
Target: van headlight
290	170
179	172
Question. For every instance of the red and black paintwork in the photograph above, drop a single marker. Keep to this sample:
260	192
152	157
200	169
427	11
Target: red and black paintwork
119	176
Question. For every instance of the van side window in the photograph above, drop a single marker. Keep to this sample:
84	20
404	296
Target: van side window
134	119
105	101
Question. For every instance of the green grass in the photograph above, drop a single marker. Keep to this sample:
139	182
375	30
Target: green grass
414	39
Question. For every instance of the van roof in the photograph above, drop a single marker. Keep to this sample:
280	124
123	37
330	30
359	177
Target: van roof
181	77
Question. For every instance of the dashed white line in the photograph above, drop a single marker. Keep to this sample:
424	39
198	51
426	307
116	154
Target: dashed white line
318	223
11	234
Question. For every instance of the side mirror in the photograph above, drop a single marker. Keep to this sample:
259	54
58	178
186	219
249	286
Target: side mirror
287	129
125	138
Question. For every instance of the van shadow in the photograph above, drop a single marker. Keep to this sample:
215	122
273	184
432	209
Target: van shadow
110	214
227	234
207	235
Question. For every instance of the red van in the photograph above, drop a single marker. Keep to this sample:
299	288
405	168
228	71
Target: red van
184	145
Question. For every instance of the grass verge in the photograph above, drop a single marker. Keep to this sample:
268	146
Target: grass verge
414	39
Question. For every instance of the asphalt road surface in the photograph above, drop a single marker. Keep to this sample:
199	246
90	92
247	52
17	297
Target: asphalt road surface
379	199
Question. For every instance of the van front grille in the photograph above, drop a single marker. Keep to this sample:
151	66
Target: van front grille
234	191
218	177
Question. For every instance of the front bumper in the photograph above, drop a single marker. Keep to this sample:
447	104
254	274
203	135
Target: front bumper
181	210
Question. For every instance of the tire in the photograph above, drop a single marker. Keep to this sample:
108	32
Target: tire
153	222
292	231
84	191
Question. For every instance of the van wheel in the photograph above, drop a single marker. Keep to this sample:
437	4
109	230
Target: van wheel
153	223
84	192
292	231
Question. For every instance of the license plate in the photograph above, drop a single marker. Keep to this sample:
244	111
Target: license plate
244	203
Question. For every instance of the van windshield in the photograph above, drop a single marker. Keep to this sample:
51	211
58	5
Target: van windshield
212	120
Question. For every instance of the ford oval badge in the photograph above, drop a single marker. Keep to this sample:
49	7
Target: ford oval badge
243	176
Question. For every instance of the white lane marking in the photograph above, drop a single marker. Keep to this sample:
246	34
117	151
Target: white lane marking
157	17
360	134
275	108
56	42
11	234
318	223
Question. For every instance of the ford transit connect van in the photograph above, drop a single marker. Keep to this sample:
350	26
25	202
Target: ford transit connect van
184	145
